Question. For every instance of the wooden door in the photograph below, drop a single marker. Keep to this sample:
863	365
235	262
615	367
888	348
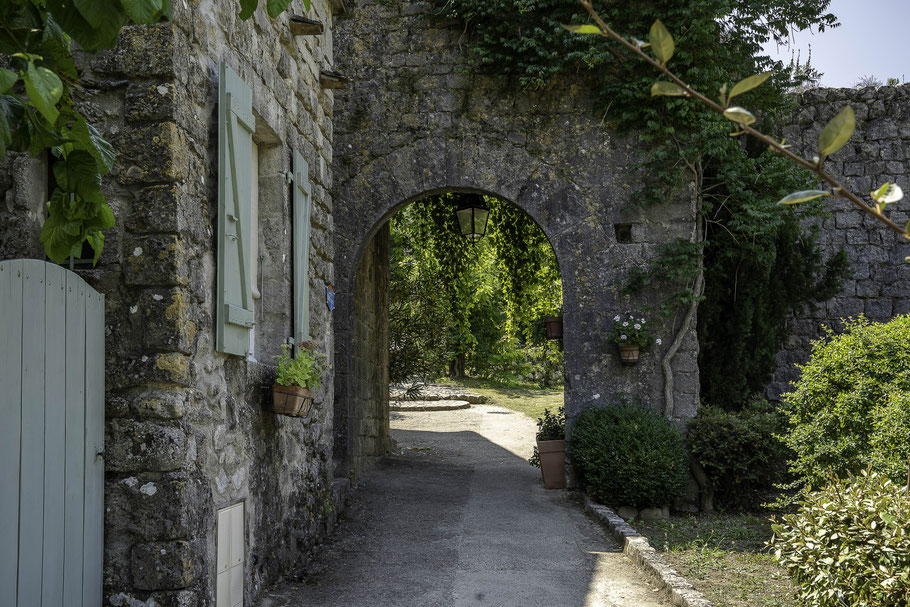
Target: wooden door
51	436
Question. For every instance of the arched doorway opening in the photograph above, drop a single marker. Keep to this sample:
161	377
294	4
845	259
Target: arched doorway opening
429	302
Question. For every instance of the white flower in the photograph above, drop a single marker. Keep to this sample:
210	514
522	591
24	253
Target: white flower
623	337
641	320
658	341
616	318
637	326
625	324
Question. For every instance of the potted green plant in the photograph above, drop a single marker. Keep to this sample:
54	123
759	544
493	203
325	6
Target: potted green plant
553	325
550	452
631	335
292	392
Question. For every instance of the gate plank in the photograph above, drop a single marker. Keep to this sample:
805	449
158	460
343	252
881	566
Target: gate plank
93	547
10	412
74	487
54	434
31	482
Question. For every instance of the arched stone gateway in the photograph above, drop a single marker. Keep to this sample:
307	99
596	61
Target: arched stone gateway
413	123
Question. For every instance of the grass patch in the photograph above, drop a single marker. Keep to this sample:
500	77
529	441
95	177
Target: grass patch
523	398
724	557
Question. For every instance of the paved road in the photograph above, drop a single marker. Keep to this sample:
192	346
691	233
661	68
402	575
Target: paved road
458	518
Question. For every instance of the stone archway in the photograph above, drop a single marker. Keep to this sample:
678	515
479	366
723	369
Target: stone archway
412	123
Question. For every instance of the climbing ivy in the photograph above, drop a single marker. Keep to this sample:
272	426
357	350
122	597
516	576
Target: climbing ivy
748	238
38	112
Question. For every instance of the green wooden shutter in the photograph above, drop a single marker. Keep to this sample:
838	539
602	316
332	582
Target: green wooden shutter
234	312
302	204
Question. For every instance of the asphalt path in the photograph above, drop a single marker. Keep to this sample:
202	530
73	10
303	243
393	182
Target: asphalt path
457	517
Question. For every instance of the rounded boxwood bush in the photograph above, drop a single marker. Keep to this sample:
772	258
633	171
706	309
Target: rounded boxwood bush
740	451
629	455
849	544
851	406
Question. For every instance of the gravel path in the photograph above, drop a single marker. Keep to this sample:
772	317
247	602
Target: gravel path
457	517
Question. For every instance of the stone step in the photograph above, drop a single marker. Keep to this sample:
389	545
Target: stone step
428	405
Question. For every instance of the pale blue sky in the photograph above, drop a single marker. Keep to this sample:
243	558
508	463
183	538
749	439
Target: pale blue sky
874	38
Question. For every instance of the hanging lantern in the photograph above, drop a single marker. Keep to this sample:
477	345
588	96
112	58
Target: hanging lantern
472	216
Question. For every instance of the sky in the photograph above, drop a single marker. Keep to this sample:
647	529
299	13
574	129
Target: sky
873	39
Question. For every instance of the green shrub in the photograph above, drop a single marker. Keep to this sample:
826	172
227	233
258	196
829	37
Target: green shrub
629	455
851	406
849	544
739	451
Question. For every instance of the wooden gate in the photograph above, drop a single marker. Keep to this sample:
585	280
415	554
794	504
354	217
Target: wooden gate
51	437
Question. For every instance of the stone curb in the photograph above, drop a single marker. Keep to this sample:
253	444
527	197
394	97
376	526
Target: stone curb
636	546
474	399
422	405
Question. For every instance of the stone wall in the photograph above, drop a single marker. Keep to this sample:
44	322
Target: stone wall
369	426
877	153
187	428
412	123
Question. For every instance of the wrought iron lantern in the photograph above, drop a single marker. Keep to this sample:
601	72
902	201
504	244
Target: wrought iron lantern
472	216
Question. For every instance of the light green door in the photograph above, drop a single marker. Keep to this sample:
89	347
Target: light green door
51	436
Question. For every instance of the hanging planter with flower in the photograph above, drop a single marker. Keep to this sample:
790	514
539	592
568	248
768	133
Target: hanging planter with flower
631	335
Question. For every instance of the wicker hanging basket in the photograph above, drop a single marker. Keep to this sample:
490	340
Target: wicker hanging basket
291	400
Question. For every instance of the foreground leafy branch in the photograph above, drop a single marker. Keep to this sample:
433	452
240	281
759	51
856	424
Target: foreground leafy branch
832	137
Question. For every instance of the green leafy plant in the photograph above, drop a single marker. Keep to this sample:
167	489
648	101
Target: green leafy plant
629	455
849	544
38	111
850	408
631	330
740	452
550	426
304	370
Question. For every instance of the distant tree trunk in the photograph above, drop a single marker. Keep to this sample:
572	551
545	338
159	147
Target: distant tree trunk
456	367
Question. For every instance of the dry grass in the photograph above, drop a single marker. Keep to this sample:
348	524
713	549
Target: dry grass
523	398
724	557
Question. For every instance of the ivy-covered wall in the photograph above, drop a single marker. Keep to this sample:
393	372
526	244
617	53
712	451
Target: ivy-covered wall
412	122
878	152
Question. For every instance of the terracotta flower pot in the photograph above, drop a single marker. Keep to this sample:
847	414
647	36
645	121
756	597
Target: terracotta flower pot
291	400
628	354
554	327
553	463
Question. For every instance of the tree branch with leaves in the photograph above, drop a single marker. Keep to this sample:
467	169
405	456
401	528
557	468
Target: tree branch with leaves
832	138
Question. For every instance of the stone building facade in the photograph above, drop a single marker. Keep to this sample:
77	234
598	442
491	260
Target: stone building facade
188	431
414	123
878	152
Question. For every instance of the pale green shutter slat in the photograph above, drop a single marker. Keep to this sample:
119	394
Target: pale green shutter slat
74	486
10	412
302	205
55	432
31	479
93	529
234	303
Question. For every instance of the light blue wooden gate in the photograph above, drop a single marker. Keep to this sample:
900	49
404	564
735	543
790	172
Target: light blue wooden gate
51	437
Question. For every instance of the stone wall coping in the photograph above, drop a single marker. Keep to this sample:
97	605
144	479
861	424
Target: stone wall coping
636	547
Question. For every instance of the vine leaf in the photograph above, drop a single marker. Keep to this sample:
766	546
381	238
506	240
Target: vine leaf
247	8
803	196
276	7
44	90
747	84
143	11
837	132
583	29
7	79
669	89
79	174
661	42
739	115
89	138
